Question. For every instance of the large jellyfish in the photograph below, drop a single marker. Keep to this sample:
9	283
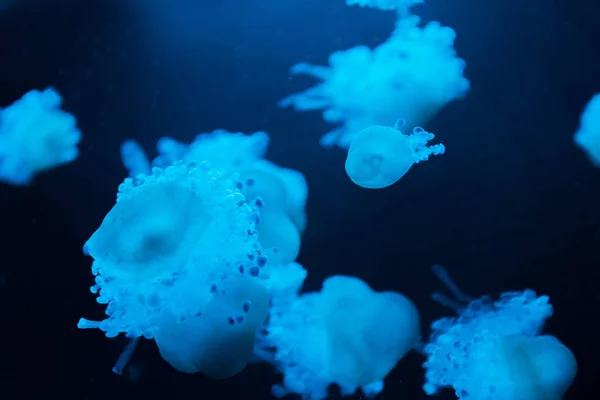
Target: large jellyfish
35	135
413	74
495	350
380	155
279	193
347	334
588	135
177	260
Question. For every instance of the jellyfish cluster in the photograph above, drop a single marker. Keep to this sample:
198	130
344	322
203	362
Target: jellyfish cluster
199	253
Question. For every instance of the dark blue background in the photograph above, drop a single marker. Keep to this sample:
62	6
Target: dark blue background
512	204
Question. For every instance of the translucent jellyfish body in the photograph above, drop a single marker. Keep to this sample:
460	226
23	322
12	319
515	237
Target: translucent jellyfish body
380	155
495	350
279	193
347	334
35	135
176	260
588	135
413	74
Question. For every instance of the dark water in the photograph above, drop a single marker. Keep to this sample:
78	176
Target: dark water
513	203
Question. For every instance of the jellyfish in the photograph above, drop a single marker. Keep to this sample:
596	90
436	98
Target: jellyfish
496	350
379	156
346	334
35	135
415	73
588	135
279	193
177	260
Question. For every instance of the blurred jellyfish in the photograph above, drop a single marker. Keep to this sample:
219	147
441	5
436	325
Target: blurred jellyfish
495	350
380	155
347	334
413	74
401	6
588	135
35	135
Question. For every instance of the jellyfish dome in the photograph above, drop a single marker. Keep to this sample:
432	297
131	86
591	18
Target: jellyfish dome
347	334
176	260
495	350
380	155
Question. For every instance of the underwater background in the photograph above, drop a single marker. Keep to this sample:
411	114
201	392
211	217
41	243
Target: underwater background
513	203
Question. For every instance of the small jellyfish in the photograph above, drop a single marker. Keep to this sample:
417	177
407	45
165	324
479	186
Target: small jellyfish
35	135
380	155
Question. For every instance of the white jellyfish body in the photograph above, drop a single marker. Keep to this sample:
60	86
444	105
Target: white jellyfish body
495	350
35	135
379	156
347	334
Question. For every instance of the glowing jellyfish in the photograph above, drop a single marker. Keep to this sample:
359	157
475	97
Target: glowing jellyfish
380	155
35	135
177	260
413	74
279	193
588	135
495	350
347	334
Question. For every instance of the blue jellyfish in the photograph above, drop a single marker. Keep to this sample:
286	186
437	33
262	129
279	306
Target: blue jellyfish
346	334
380	155
494	350
35	135
177	260
588	135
